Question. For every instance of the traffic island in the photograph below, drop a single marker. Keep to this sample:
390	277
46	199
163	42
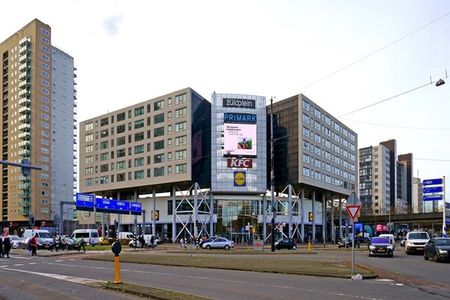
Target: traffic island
149	292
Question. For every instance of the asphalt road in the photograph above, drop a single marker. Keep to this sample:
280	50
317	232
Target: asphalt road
43	274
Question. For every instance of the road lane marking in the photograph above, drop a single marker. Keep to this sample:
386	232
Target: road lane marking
245	283
18	265
32	263
84	281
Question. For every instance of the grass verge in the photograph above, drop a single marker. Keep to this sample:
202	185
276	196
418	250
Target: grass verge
283	265
149	292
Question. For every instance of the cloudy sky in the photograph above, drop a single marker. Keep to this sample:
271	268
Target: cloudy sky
344	55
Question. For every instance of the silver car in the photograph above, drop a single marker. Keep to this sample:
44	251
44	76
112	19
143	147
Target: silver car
218	243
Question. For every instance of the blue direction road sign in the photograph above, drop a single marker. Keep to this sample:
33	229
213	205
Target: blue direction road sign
122	206
136	208
436	181
432	197
84	201
433	189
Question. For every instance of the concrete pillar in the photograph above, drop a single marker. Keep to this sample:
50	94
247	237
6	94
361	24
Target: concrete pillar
324	218
314	217
333	227
340	217
264	218
302	214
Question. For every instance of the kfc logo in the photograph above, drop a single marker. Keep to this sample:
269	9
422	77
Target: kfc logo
239	163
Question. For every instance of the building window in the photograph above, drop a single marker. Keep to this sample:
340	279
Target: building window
120	177
158	132
305	131
138	149
158	105
138	136
89	137
181	168
89	159
139	162
121	153
104	145
89	126
89	148
104	133
89	171
158	172
104	168
180	99
139	124
104	156
158	145
180	113
180	154
139	174
104	122
121	141
139	111
158	118
158	158
181	126
121	165
120	128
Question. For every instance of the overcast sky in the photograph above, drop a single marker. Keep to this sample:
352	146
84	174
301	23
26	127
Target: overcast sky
131	51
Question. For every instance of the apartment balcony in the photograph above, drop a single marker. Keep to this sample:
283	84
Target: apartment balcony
25	110
25	85
26	50
25	119
25	102
25	127
25	42
25	59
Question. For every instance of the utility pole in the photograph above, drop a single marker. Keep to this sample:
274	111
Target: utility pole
272	180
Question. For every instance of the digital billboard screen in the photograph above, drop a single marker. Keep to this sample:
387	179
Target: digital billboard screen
240	135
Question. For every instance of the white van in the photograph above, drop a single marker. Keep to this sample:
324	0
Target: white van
44	238
390	237
90	236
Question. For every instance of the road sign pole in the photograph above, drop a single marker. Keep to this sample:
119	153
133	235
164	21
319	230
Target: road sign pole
353	246
444	233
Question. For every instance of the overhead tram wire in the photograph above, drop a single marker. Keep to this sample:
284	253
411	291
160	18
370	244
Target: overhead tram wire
432	159
400	127
387	99
374	52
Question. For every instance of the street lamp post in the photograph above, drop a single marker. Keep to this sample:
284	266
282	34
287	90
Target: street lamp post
272	175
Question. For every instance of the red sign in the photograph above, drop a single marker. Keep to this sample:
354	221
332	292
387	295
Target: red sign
239	163
352	211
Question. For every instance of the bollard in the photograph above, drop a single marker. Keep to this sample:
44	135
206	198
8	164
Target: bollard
116	249
309	245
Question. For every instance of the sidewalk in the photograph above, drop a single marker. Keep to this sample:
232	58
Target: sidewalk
48	253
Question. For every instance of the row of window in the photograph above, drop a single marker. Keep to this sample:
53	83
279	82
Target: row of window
307	172
329	168
158	131
329	156
139	111
138	162
136	175
326	143
324	117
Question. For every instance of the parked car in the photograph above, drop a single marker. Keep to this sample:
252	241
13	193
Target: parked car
69	243
416	241
219	242
207	241
285	243
347	242
44	240
16	241
390	237
438	249
90	236
381	246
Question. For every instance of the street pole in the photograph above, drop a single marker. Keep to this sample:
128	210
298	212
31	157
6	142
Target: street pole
272	183
444	233
353	247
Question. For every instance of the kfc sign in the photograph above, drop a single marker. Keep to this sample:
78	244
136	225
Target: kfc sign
239	163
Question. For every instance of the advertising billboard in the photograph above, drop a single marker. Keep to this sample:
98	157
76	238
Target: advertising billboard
240	135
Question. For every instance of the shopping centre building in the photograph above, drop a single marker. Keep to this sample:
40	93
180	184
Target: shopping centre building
202	167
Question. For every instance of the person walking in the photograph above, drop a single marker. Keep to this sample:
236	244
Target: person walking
6	244
1	246
34	245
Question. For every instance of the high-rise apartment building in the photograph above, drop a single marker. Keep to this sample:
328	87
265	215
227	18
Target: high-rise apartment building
374	180
417	196
38	125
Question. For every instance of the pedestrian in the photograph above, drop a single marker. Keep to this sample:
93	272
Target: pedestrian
82	245
6	244
182	243
1	246
34	245
152	241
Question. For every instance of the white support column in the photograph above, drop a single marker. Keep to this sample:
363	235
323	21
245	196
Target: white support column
314	217
211	215
302	214
153	213
174	215
195	210
290	209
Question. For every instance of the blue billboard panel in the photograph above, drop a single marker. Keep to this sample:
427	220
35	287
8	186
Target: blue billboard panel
433	189
432	197
436	181
84	202
136	208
